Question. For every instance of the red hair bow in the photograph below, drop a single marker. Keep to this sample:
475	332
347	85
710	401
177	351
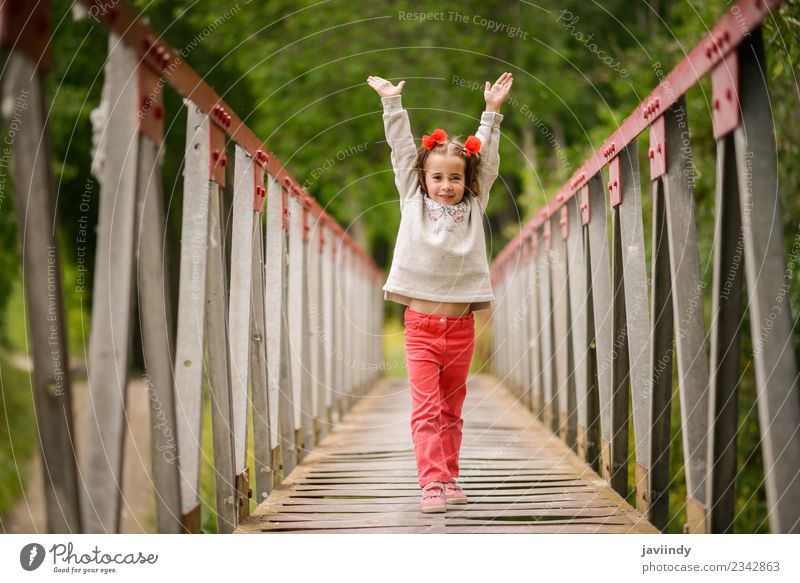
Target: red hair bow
472	145
437	137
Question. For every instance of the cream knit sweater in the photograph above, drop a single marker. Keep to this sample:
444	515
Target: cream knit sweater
440	254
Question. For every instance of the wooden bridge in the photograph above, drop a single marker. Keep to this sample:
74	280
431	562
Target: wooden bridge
520	477
281	313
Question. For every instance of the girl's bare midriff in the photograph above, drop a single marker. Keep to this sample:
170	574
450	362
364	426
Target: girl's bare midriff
439	308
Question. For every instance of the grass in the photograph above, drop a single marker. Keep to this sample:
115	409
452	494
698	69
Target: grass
76	309
394	349
18	437
18	428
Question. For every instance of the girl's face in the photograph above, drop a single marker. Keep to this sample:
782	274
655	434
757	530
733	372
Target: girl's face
444	178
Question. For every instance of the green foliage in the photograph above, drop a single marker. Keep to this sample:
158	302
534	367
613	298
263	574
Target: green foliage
9	248
296	72
17	431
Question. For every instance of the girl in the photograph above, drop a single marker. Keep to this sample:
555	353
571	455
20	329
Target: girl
441	274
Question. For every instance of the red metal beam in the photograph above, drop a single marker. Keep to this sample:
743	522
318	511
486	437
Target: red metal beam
26	27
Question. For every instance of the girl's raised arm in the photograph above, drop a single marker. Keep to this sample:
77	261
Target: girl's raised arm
489	135
398	136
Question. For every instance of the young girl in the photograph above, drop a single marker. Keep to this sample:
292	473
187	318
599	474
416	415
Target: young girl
441	273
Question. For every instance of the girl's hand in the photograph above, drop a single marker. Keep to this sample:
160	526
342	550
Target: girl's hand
496	94
384	87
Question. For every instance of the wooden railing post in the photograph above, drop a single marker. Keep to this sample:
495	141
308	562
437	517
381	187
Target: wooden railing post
687	307
725	332
155	309
516	338
629	236
279	371
504	337
242	315
509	337
31	163
583	355
190	340
356	313
620	369
534	402
219	370
497	317
550	401
347	305
523	321
264	458
520	319
600	285
298	325
567	422
767	290
316	364
337	387
328	317
116	165
344	296
652	488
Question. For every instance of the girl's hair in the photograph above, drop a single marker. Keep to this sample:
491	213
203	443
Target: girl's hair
452	147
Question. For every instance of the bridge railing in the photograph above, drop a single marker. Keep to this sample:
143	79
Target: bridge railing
578	330
284	320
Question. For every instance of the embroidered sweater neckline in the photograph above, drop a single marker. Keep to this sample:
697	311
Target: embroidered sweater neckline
451	209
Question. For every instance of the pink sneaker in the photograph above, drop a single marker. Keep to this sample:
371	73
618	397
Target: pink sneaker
433	498
454	494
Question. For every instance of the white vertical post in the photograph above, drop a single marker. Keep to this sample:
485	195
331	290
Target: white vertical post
281	414
115	164
328	318
191	312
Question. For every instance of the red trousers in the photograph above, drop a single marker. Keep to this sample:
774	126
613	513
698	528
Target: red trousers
438	354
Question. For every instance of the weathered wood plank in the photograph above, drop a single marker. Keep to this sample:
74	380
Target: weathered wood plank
767	289
219	373
31	163
582	355
617	447
190	340
726	328
262	446
239	308
562	336
652	483
687	307
328	328
115	164
157	325
314	283
534	396
549	404
299	346
600	287
279	372
637	308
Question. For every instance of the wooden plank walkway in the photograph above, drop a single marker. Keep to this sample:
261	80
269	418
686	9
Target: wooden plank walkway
518	476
